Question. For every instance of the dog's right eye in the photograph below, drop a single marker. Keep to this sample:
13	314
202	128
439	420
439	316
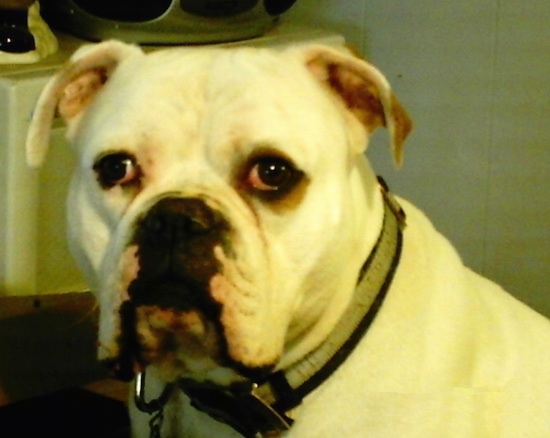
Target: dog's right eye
117	169
270	176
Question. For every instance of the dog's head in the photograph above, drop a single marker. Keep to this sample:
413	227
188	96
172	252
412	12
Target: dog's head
220	206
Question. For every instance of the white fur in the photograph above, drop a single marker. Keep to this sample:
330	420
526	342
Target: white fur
449	355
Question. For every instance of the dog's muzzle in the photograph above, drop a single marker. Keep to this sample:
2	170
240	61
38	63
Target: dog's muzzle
175	244
170	307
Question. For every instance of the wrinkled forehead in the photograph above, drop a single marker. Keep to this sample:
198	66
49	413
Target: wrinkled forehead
215	76
244	65
227	98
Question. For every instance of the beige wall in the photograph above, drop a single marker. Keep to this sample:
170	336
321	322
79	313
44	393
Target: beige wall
475	76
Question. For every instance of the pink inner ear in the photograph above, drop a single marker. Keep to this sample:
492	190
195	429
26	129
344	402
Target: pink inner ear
80	92
359	94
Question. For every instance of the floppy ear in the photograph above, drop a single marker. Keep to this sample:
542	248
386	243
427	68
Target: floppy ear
71	90
364	91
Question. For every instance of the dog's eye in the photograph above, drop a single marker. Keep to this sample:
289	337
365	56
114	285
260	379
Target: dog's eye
272	174
117	169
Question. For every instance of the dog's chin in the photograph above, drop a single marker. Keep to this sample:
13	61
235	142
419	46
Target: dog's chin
179	345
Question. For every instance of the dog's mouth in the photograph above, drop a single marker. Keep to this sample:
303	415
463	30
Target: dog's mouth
178	341
170	319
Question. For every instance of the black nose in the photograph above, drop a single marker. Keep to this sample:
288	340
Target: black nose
176	241
177	238
176	220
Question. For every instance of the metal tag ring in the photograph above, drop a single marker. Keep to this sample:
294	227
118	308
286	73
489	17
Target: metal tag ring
153	405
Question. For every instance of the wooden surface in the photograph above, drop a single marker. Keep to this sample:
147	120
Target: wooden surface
48	343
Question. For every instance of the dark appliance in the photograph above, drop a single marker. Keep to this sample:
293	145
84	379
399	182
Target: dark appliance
165	21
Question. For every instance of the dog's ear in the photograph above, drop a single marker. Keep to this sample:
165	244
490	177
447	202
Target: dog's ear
71	90
364	91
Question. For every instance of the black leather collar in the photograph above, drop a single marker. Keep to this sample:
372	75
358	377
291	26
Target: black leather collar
259	409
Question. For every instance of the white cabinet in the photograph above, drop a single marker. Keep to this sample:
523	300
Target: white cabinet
33	252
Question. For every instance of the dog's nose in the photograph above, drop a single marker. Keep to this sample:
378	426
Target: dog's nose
179	219
176	240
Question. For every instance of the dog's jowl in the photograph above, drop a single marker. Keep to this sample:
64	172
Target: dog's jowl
254	276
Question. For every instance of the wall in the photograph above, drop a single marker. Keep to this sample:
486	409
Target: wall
475	77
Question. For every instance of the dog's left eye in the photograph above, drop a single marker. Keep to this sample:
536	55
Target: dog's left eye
272	174
117	169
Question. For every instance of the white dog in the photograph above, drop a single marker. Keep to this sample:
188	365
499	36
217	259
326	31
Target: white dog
253	272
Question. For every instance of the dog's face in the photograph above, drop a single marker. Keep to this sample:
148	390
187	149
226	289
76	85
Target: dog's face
218	206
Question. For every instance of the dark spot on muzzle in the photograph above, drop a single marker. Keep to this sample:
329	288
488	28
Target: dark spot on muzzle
176	240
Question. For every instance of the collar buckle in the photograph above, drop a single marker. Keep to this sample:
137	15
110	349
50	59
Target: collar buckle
239	406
